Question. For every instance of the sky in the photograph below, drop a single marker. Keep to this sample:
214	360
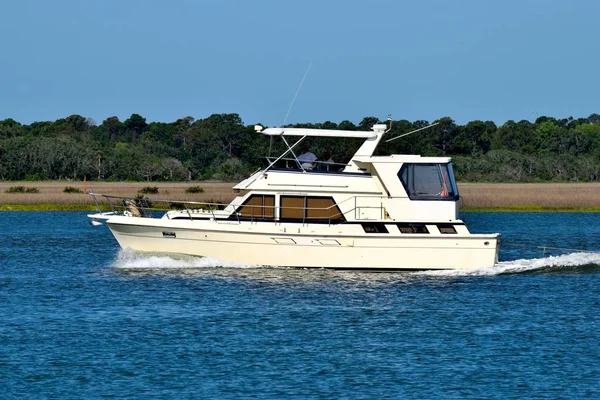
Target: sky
416	60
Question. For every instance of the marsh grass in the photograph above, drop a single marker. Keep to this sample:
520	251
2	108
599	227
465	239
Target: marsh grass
22	189
71	189
194	189
148	190
530	196
474	196
52	197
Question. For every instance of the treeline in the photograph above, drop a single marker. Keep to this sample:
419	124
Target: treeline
221	147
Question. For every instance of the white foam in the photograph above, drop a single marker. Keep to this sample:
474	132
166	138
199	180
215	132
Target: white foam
128	259
522	265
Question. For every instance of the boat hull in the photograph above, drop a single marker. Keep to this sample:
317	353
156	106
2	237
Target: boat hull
100	218
316	246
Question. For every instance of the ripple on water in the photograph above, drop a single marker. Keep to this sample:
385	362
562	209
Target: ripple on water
80	318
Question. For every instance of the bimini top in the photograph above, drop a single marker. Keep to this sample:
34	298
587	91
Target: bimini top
371	135
371	140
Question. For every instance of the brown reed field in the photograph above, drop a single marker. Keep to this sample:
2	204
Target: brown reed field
51	194
530	196
474	196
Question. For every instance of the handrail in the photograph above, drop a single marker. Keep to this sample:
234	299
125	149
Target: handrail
294	162
147	206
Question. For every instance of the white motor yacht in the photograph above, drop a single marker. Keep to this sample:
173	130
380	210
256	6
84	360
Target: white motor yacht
396	212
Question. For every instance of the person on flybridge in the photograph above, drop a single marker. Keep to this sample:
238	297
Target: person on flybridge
306	158
328	164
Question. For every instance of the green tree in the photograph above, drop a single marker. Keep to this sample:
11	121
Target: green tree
517	136
552	138
112	128
10	128
136	123
475	138
367	123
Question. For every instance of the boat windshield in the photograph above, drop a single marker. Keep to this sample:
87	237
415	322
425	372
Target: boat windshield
429	181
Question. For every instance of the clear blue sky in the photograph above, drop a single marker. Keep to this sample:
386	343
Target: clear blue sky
477	59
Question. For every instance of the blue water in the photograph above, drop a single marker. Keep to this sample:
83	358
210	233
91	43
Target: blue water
80	318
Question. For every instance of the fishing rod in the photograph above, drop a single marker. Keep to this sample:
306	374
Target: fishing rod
291	105
296	95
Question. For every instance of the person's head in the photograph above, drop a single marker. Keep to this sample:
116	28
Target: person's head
326	155
304	149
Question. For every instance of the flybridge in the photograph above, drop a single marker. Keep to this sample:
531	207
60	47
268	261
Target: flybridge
363	155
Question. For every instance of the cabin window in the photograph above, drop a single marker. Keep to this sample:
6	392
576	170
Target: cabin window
258	206
446	229
375	228
322	208
429	181
412	228
310	209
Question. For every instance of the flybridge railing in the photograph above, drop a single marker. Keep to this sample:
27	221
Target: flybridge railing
363	208
293	163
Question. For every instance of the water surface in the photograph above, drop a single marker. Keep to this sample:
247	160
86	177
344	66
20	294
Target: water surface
80	318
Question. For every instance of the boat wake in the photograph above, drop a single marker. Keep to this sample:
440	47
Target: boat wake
572	262
131	260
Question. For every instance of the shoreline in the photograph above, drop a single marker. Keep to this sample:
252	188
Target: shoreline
475	197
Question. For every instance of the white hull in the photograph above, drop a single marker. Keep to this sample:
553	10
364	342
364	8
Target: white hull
100	218
315	246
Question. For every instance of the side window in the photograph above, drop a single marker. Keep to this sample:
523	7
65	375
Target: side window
322	208
446	228
375	227
258	207
292	207
269	206
412	228
310	209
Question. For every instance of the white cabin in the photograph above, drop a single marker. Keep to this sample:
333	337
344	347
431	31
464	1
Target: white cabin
405	188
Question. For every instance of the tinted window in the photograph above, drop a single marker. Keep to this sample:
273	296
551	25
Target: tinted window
429	181
258	207
375	228
292	207
412	228
310	209
446	229
322	208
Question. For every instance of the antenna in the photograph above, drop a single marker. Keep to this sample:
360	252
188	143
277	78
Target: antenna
411	132
296	95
